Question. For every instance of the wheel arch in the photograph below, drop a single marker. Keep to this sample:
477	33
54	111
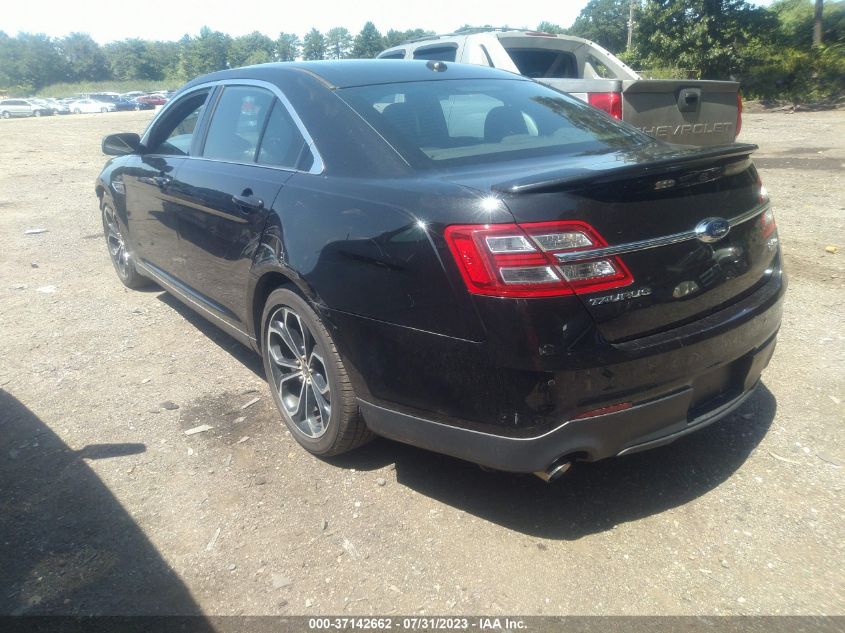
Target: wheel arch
266	282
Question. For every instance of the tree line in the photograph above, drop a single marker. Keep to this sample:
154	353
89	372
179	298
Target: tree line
793	48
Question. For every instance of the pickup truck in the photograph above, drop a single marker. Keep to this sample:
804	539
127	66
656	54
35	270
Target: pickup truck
686	112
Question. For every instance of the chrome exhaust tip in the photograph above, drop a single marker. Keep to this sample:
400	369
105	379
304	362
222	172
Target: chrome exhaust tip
557	468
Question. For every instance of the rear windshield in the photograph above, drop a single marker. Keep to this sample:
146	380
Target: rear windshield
441	123
544	63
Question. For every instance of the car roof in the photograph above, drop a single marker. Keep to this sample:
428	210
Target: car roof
361	72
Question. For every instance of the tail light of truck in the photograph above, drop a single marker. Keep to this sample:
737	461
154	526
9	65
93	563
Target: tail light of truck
738	113
610	102
518	260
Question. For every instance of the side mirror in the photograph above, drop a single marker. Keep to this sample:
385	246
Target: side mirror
122	144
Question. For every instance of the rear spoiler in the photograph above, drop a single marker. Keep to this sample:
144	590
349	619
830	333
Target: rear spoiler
578	177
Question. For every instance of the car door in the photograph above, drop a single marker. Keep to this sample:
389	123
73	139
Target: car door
252	146
150	207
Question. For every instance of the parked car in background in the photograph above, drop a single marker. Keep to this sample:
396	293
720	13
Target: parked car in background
22	108
121	104
141	105
688	112
152	99
56	106
88	106
453	256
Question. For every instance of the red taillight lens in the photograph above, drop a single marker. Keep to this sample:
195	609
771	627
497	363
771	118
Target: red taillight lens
738	113
767	222
510	260
610	102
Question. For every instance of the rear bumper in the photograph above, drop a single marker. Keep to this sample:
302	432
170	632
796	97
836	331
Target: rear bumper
644	426
678	381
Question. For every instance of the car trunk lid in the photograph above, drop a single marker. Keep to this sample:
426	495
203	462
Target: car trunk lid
687	224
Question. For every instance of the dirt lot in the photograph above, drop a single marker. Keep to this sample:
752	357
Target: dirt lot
106	506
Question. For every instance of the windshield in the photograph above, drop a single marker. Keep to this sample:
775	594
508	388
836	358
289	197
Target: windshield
440	123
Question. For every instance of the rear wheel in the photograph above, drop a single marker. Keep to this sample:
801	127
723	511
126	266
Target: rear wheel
77	111
37	113
307	377
104	110
118	252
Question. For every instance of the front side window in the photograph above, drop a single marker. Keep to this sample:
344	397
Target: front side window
235	129
174	134
435	123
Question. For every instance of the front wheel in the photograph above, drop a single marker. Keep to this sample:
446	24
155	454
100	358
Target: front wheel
7	115
77	111
307	377
104	110
121	259
37	113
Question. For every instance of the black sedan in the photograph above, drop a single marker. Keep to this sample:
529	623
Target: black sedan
454	257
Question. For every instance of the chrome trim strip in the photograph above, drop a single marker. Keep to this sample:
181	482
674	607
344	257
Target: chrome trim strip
317	168
172	288
656	242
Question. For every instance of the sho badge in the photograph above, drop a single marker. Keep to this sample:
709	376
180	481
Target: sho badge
620	296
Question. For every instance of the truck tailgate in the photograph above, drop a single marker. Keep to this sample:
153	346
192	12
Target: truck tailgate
687	112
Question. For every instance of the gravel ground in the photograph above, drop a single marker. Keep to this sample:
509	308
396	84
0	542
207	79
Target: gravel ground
107	506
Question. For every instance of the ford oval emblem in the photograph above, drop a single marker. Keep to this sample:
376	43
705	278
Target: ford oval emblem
712	229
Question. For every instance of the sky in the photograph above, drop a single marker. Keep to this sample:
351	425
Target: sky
169	20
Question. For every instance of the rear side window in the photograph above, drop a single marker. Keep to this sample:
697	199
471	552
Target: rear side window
544	62
235	128
438	53
282	144
394	55
434	123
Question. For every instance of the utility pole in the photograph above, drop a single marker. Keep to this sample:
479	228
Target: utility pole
630	25
817	23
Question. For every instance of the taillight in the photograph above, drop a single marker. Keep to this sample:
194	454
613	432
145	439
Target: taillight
767	222
510	260
610	102
738	113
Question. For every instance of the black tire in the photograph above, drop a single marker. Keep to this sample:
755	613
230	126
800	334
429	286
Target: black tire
77	111
7	115
104	110
120	257
344	428
37	113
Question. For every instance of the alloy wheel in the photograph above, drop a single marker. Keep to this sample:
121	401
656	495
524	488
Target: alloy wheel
116	244
299	373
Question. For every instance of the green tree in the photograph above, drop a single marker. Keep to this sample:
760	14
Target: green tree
708	36
30	61
394	37
551	27
287	47
796	22
84	59
164	59
368	43
313	45
255	48
205	53
604	22
130	59
338	43
10	52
